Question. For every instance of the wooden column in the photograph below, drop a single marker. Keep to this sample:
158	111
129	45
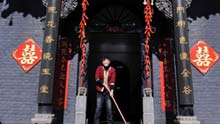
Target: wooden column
46	82
183	66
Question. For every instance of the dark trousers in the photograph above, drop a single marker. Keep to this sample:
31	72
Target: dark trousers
101	99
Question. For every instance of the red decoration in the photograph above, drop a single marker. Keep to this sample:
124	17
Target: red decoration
62	74
83	40
166	76
148	11
202	56
162	88
27	55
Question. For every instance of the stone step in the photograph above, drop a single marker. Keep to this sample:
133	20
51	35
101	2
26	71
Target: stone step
42	118
187	120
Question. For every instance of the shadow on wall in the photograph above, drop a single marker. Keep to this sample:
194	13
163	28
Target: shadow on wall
203	8
35	8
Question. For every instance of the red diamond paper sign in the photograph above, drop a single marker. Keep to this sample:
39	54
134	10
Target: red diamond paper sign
27	55
202	56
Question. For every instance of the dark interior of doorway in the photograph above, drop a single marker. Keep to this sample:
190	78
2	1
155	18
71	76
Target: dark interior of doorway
124	51
121	88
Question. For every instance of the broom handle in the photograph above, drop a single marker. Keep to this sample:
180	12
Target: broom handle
123	118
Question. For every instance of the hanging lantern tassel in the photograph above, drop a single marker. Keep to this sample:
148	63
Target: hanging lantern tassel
83	40
148	12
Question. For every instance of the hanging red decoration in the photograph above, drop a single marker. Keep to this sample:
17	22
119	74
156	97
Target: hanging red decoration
82	36
148	11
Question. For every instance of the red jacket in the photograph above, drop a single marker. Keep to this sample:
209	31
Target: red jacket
99	75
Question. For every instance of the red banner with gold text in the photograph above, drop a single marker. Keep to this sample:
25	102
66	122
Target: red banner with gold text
62	74
166	75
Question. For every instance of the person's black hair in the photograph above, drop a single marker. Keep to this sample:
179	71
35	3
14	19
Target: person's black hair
104	58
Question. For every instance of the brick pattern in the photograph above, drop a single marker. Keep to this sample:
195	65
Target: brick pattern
18	91
206	88
69	113
158	114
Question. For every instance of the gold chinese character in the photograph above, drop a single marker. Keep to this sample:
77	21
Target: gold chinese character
187	90
64	44
47	56
50	24
28	54
64	59
49	39
43	89
180	9
62	76
185	72
62	84
184	56
165	61
166	76
51	9
168	86
45	71
203	57
181	23
166	69
182	40
61	91
60	101
63	67
168	104
64	51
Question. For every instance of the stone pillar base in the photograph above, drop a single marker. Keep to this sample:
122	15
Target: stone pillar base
186	120
80	116
148	110
43	119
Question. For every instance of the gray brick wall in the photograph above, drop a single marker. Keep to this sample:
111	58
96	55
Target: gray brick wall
206	88
158	114
69	114
18	91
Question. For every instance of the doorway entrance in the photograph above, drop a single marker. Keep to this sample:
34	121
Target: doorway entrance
121	92
124	51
